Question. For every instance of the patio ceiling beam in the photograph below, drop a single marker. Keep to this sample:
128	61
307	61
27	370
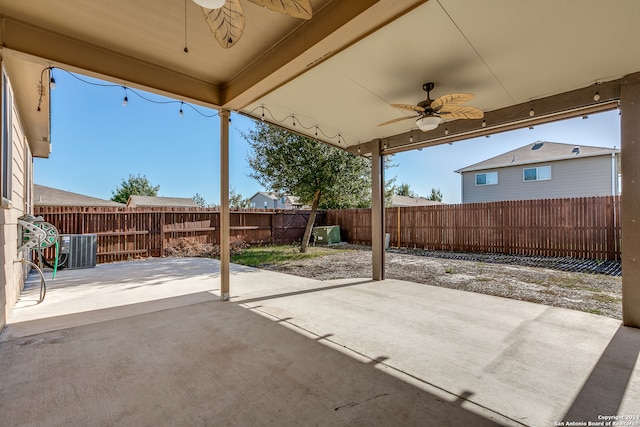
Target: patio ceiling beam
333	28
566	105
96	61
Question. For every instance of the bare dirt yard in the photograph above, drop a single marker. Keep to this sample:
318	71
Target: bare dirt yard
508	277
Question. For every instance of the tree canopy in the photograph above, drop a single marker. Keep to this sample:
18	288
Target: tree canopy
134	186
404	190
319	175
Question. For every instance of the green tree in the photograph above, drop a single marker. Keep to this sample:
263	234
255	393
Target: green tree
200	201
236	201
135	186
436	195
320	175
404	190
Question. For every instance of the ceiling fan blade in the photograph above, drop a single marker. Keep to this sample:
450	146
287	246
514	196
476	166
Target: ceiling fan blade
297	8
408	107
453	99
460	112
399	119
226	23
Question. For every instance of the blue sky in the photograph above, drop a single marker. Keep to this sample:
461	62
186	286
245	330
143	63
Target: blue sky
97	142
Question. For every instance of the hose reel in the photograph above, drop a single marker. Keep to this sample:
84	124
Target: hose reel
39	235
36	233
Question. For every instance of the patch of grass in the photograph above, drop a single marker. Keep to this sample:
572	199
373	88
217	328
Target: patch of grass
484	279
594	311
605	298
450	270
265	255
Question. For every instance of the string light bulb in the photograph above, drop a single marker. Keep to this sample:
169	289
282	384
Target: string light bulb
181	110
446	131
484	123
531	112
596	96
52	83
411	138
125	101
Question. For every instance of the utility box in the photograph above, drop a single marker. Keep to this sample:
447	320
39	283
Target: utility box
327	235
78	250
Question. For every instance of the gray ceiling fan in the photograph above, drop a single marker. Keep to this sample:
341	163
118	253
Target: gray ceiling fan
226	17
431	112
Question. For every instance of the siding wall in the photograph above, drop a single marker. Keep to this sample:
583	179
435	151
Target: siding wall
260	199
585	177
14	273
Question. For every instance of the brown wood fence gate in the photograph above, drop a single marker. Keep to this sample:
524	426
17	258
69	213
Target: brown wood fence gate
588	227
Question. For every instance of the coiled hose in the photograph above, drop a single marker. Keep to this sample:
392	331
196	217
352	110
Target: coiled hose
43	285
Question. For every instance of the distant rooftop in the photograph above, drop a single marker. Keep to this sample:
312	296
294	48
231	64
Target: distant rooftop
405	201
540	151
160	202
47	196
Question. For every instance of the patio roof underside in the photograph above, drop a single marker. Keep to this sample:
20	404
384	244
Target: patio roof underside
335	75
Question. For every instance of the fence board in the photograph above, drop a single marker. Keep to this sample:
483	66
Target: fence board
130	233
586	227
580	228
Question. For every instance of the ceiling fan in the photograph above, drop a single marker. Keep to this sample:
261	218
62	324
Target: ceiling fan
431	112
226	17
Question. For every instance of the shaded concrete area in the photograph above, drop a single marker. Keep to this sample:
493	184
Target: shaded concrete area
148	343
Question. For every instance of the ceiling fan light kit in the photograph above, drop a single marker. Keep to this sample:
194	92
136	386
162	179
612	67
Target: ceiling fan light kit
210	4
431	112
427	123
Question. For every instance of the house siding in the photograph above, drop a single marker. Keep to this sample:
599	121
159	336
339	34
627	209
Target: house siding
13	272
260	199
585	177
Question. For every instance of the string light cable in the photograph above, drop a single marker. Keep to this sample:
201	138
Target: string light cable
126	89
295	122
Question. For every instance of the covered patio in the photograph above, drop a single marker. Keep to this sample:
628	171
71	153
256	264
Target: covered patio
150	343
333	74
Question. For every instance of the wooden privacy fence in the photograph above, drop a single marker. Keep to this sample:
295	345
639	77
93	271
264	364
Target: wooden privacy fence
580	228
129	233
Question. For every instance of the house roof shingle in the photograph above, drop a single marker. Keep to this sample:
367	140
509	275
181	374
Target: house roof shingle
540	151
405	201
160	202
47	196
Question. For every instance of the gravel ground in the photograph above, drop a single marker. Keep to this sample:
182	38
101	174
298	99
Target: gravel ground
503	276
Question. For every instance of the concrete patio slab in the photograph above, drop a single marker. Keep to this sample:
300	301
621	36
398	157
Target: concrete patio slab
148	343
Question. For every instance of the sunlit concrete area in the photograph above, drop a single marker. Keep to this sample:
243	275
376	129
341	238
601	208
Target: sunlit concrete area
150	343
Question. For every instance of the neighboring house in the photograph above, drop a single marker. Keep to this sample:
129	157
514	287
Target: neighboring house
24	135
406	201
267	200
160	202
47	196
543	170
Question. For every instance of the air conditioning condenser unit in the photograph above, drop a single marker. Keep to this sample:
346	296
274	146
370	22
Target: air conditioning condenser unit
80	250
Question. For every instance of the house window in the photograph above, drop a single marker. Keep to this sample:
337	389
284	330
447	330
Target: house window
7	130
541	173
487	178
